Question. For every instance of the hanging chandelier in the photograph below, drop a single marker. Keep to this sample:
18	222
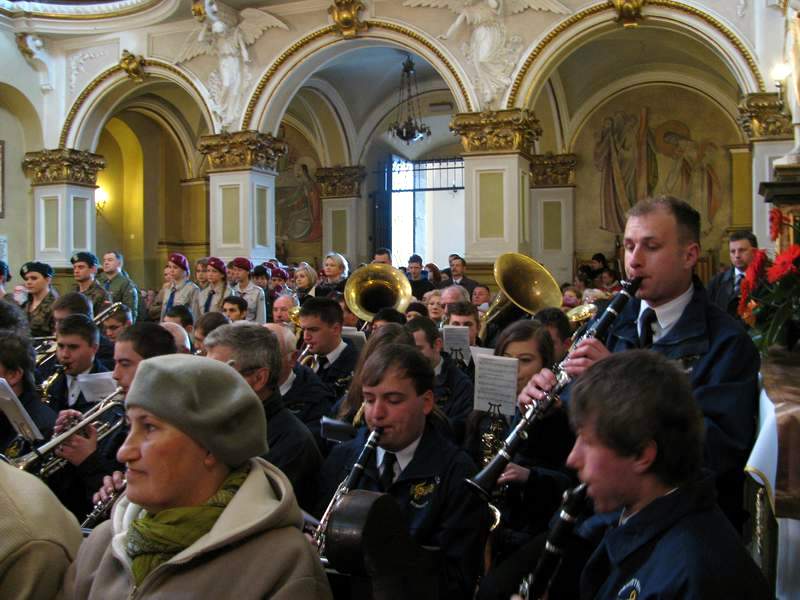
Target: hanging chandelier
408	125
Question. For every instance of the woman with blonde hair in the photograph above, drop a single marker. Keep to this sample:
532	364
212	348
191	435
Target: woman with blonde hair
335	269
435	307
305	281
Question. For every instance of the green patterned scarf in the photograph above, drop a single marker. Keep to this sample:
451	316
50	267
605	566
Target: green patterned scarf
154	539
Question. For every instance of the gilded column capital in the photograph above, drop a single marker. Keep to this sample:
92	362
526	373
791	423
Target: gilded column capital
340	182
550	170
242	150
762	117
62	165
346	19
497	131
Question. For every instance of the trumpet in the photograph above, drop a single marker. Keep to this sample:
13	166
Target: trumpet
306	359
345	486
102	509
485	481
43	462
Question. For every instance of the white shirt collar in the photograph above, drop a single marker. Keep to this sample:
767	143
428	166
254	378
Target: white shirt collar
332	356
437	370
404	456
737	272
667	314
287	385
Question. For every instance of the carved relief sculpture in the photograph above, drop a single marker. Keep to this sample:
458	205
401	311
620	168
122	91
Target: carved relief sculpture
629	12
31	46
241	150
63	165
491	52
341	182
549	170
763	115
133	65
497	131
225	33
345	16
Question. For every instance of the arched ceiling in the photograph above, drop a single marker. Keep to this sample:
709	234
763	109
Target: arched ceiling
628	52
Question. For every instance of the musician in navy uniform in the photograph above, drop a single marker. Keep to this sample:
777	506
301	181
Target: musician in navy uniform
640	450
321	321
416	465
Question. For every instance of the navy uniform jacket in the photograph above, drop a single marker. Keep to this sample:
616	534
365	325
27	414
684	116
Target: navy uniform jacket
309	400
338	374
454	395
431	492
678	546
720	292
722	363
59	393
292	449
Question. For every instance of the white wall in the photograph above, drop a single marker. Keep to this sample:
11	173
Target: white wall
446	226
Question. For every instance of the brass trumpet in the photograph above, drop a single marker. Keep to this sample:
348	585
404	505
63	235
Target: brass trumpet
43	461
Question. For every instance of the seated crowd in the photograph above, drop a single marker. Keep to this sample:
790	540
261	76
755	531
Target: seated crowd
246	395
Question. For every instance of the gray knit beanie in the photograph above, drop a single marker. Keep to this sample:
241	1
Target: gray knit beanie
207	400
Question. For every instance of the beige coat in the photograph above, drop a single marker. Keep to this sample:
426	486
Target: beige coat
255	550
39	538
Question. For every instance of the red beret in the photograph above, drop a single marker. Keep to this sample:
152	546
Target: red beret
217	263
240	262
179	260
280	273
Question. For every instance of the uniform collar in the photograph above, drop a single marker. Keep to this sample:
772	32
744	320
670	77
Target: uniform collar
336	353
404	456
287	385
668	313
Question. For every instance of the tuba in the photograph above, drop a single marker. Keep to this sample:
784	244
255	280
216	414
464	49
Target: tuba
373	287
523	283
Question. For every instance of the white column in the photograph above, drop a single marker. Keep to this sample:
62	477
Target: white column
339	226
64	222
552	216
242	215
496	199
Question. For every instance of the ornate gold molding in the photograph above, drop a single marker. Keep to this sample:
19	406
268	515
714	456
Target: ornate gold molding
340	182
345	15
590	11
62	165
115	70
497	131
241	150
22	45
762	116
550	170
320	33
80	14
133	66
629	12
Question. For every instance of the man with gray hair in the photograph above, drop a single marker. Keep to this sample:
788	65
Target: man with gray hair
255	353
302	391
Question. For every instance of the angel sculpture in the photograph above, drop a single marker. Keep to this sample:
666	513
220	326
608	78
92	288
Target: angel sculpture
226	33
490	51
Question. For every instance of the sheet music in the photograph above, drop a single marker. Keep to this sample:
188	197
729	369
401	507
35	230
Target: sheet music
496	383
456	342
16	413
96	386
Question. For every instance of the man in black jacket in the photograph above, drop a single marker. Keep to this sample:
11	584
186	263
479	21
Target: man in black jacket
723	289
255	353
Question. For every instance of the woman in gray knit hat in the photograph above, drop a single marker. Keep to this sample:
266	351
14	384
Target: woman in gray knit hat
199	507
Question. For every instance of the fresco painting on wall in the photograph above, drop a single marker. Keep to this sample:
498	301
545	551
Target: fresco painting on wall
628	154
651	141
2	179
298	202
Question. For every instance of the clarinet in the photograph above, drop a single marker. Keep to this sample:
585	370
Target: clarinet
536	584
345	486
485	481
102	509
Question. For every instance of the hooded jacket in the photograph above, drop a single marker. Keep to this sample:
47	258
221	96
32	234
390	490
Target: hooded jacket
255	550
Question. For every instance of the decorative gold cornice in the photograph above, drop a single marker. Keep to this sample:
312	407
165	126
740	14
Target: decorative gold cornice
629	12
762	116
346	18
550	170
340	182
241	150
320	33
62	165
133	66
579	16
497	131
80	16
111	72
22	45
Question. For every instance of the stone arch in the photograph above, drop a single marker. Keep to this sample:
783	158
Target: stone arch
21	107
287	74
545	54
110	90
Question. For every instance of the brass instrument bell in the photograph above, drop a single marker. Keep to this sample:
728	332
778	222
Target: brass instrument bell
376	286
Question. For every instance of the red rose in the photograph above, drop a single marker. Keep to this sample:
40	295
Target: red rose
784	264
775	223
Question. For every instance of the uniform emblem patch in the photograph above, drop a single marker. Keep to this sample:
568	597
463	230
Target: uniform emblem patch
630	591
